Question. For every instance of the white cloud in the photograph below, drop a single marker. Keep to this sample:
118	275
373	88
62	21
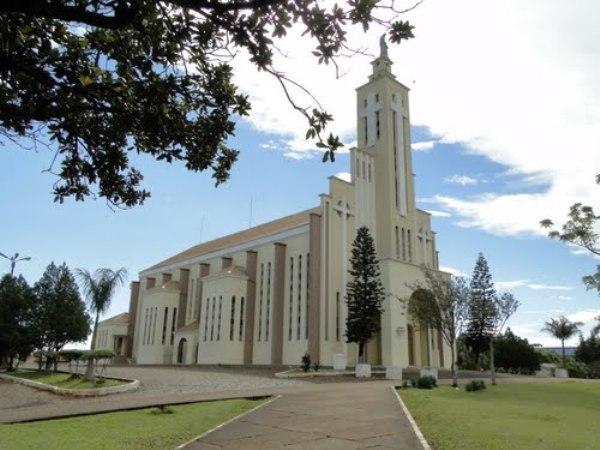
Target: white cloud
527	284
587	316
423	146
436	213
463	180
297	155
564	297
453	271
346	176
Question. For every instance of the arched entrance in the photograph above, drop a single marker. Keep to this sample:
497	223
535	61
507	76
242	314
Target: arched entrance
181	351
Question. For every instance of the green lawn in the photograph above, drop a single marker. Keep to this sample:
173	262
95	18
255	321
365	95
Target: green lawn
141	429
62	379
509	416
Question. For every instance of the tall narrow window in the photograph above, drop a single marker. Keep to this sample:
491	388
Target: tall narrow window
206	319
409	243
212	319
420	249
232	319
145	340
357	168
241	318
154	324
291	299
307	294
219	320
369	169
364	170
268	312
403	244
395	147
190	302
299	315
337	316
377	124
164	327
173	325
260	301
397	242
366	125
198	300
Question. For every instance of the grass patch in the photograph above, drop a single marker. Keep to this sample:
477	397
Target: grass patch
63	380
516	416
141	429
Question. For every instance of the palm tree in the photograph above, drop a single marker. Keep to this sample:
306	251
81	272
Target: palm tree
562	328
99	289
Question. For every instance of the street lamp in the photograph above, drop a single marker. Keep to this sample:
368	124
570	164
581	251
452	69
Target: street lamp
14	260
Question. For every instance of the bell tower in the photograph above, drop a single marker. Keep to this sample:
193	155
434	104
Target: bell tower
382	161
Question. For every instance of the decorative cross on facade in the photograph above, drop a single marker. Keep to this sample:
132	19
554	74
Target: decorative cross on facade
344	212
368	118
399	113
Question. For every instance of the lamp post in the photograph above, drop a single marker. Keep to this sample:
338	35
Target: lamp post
14	260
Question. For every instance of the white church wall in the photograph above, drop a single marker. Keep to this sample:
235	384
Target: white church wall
219	340
263	306
295	332
155	345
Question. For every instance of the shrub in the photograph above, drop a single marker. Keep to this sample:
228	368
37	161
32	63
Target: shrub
576	369
475	385
414	382
594	369
547	356
404	384
426	382
515	354
306	362
316	367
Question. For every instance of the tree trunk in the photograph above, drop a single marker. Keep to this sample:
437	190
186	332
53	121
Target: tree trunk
564	358
40	360
453	367
361	352
89	371
492	364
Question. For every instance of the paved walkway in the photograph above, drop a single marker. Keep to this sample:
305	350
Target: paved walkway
338	416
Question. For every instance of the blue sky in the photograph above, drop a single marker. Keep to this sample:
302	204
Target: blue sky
506	131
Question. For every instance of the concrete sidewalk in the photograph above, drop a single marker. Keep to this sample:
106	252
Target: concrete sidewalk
344	416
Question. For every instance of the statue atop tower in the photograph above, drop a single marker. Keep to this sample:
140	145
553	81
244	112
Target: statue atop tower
383	48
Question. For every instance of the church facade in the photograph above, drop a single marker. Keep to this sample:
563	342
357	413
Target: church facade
271	293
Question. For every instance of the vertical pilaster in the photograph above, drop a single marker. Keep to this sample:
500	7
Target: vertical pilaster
314	317
251	257
278	303
133	307
184	280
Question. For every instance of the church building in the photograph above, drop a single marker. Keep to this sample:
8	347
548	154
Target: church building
269	294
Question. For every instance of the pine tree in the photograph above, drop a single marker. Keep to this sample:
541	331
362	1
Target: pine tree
481	308
364	293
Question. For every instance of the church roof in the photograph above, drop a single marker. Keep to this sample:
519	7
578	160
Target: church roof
119	319
257	232
192	326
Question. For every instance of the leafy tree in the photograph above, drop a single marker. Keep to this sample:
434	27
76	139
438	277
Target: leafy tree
580	230
588	350
504	305
514	353
441	303
364	292
563	329
480	309
16	312
99	289
60	314
106	79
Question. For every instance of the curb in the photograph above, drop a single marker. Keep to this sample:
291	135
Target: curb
206	433
412	422
92	392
